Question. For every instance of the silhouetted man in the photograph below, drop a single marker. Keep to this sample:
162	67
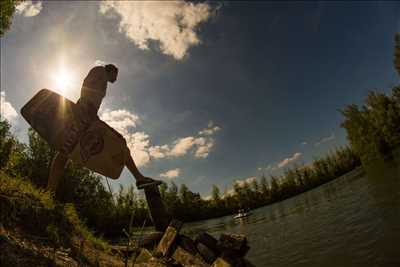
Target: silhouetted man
92	93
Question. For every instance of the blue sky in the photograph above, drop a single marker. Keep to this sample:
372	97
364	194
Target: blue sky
208	93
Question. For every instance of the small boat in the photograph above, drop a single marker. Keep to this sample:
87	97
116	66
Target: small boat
242	213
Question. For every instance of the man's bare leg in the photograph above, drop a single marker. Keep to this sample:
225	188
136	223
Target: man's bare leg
56	171
141	180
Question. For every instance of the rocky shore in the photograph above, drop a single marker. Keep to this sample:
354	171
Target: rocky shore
175	249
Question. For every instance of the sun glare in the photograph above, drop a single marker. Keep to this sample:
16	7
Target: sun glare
63	80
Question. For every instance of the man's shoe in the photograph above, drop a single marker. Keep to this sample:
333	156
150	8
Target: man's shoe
146	182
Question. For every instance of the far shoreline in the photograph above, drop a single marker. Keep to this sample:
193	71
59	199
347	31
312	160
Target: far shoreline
353	174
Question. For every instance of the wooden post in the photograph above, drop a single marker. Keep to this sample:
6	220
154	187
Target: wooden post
157	209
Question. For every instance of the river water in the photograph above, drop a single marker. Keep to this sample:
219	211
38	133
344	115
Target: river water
351	221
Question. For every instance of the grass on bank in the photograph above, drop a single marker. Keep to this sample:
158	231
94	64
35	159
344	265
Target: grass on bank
31	211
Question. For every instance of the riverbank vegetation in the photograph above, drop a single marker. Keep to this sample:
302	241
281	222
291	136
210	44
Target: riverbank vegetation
187	205
109	214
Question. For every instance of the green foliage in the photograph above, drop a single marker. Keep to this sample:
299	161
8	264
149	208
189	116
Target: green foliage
12	152
374	128
6	143
216	194
7	9
81	230
13	188
34	210
38	160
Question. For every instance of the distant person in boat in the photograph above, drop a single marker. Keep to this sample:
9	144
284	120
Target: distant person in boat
92	93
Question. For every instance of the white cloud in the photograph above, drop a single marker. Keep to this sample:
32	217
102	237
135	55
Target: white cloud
201	145
243	182
325	139
159	152
210	130
120	119
182	146
204	147
29	8
286	161
172	23
7	111
171	173
139	143
282	163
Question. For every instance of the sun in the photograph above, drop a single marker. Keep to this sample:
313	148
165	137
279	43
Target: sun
63	80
